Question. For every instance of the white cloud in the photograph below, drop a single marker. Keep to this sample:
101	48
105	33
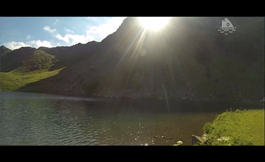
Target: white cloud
70	38
47	28
28	37
97	33
15	45
103	30
80	38
34	43
68	30
39	43
65	38
75	38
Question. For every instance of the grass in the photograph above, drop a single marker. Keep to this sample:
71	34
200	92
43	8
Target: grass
38	61
33	68
244	127
17	78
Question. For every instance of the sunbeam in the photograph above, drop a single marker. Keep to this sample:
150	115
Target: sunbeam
153	23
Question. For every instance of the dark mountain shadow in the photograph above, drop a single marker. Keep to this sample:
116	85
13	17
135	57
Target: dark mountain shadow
13	59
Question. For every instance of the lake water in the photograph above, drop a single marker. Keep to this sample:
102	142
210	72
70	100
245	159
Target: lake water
42	119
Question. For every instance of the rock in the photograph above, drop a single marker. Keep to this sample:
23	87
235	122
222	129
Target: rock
204	137
178	143
163	137
198	139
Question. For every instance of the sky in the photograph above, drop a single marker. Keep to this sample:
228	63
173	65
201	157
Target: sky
16	32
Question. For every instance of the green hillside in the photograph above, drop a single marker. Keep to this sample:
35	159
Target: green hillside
237	128
13	80
24	67
38	61
13	59
32	69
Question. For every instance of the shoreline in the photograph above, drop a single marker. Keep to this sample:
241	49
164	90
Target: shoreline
248	102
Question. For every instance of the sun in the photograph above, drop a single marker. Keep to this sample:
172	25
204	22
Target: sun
153	23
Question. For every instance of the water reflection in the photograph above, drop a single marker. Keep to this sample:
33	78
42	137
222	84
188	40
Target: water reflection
41	119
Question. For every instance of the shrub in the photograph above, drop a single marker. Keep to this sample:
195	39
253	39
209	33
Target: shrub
207	127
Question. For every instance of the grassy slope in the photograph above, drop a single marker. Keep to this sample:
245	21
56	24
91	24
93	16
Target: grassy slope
40	60
22	69
16	79
242	127
33	69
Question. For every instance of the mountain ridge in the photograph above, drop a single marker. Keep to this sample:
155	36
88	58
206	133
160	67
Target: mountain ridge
189	59
4	50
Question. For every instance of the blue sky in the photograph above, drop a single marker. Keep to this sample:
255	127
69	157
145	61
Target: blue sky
16	32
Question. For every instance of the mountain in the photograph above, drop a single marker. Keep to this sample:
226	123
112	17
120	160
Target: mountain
62	56
14	59
188	59
4	51
25	66
66	56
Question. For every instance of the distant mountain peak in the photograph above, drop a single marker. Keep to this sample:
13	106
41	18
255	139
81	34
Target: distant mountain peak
4	47
4	50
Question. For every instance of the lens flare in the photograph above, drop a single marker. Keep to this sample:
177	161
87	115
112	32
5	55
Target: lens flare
153	23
